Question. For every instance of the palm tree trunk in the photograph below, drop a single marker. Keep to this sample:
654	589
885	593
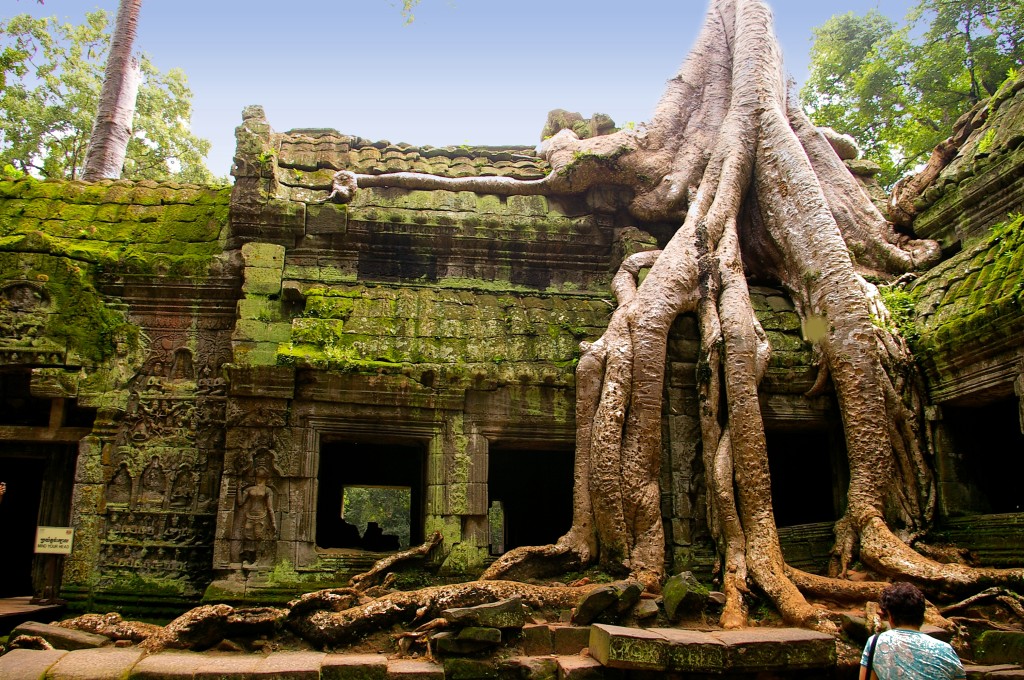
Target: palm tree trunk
108	143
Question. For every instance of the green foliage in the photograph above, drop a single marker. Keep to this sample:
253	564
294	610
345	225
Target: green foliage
986	141
899	89
387	506
900	304
49	92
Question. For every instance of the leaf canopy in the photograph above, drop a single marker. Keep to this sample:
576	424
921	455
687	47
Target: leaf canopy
50	79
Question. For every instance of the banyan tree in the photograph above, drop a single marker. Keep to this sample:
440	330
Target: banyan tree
756	190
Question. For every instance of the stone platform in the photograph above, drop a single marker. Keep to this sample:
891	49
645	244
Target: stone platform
615	653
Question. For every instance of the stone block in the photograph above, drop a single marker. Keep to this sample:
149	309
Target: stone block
456	668
683	594
227	666
753	650
96	664
528	668
414	669
267	255
538	639
629	648
28	664
292	665
467	641
504	614
61	638
262	331
999	646
259	308
980	672
327	218
570	639
577	667
255	353
168	666
354	667
261	281
693	651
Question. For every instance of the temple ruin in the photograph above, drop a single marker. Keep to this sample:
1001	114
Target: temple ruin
194	378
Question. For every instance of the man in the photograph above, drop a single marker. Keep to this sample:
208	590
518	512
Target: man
904	651
3	490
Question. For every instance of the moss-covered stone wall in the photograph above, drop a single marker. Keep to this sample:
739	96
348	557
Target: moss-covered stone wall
116	292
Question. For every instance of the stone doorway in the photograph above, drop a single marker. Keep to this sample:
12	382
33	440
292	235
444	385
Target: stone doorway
370	496
533	490
988	458
39	480
808	475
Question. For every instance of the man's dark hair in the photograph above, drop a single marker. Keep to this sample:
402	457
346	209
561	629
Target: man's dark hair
904	603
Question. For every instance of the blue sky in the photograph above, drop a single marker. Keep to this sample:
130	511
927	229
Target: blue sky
465	71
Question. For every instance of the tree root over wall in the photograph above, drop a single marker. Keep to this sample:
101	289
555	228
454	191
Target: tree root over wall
758	190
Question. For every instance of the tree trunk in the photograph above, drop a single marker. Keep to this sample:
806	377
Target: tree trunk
753	183
108	144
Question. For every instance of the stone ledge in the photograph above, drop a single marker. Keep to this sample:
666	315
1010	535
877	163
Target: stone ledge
751	650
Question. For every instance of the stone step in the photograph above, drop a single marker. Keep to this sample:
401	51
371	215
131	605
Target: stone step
1004	671
751	650
760	650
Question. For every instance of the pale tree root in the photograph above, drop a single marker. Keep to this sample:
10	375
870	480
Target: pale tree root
380	568
327	629
759	187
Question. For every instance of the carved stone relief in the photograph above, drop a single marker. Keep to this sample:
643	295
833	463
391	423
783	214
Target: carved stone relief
254	528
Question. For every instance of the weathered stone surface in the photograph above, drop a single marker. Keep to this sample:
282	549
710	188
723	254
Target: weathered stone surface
980	672
570	639
266	255
750	650
594	604
528	668
227	666
757	649
538	639
456	668
999	646
683	594
61	638
469	640
168	666
262	281
354	667
95	664
576	667
628	595
693	651
414	669
645	609
631	648
292	665
504	614
28	664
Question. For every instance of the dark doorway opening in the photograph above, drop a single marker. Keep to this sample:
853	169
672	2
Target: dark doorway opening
39	480
805	485
17	405
990	454
533	490
367	475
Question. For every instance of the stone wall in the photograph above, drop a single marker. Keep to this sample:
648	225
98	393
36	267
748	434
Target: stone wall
119	300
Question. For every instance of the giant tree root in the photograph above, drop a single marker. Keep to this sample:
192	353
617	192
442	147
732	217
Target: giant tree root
380	568
325	628
756	191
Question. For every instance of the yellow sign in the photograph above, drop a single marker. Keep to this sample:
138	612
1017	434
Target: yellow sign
54	540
